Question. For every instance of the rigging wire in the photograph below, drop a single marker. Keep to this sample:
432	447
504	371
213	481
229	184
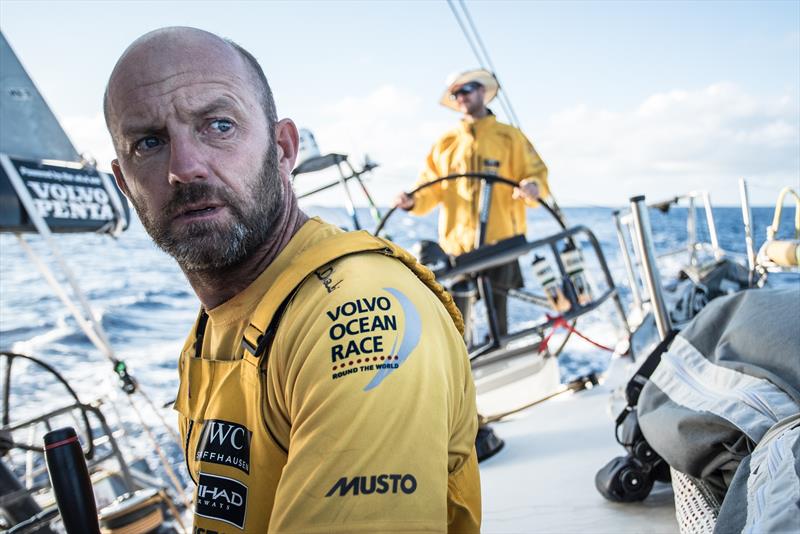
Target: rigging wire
504	97
475	42
477	35
466	33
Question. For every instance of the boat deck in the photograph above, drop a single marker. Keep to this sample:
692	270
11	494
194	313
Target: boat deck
543	479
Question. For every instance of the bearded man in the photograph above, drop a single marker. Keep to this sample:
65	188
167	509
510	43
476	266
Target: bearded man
325	386
480	143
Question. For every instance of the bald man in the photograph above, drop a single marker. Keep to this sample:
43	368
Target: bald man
325	386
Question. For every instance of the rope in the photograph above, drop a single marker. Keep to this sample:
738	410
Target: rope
485	420
170	472
560	322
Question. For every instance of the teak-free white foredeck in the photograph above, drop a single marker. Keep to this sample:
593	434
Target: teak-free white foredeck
543	479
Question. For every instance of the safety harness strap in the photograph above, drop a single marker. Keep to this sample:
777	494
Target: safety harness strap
254	341
642	376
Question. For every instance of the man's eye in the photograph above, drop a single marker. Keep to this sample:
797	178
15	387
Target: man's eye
147	143
221	125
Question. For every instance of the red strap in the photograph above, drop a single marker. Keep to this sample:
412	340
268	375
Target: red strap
61	443
560	322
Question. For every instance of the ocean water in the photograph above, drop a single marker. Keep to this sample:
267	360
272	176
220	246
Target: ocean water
146	306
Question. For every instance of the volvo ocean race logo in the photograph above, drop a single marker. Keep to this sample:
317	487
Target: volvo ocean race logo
225	443
413	332
221	498
367	485
365	338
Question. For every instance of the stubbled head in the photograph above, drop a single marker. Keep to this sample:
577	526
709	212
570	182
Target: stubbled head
180	37
200	152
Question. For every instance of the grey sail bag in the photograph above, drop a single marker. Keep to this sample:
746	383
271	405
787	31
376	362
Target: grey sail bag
722	408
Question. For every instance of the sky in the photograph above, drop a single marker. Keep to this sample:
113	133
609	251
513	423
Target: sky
619	98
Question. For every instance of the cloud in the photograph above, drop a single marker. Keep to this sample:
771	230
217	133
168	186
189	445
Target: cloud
673	142
390	124
668	143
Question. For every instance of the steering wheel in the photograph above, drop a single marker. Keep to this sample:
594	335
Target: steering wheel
88	452
491	178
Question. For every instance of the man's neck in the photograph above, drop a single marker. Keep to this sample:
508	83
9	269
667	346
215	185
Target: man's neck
477	114
216	287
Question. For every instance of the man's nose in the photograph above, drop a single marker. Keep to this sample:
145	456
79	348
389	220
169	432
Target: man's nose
187	161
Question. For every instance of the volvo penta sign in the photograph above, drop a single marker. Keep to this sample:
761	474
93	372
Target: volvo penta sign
69	198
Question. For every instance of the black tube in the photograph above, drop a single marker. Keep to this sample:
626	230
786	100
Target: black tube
69	477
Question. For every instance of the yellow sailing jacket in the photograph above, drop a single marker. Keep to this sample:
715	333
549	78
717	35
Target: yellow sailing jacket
332	395
465	149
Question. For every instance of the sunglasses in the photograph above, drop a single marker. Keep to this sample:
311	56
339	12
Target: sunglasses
465	89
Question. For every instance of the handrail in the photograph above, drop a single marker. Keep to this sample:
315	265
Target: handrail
626	259
772	230
44	418
493	350
644	236
633	259
338	160
747	220
691	220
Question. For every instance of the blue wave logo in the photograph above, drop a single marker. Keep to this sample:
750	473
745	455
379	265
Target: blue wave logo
411	335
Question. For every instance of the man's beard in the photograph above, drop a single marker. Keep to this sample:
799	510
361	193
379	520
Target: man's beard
214	245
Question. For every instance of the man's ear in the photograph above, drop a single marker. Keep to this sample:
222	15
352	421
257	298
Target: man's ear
288	141
120	179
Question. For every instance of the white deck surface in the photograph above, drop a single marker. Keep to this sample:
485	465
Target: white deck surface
543	479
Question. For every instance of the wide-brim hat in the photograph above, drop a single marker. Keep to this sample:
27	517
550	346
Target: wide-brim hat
481	76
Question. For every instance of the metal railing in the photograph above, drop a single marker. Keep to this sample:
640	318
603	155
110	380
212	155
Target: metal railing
323	162
759	263
499	254
644	239
107	462
106	437
635	238
624	219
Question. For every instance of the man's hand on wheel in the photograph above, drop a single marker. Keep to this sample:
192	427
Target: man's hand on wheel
528	190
